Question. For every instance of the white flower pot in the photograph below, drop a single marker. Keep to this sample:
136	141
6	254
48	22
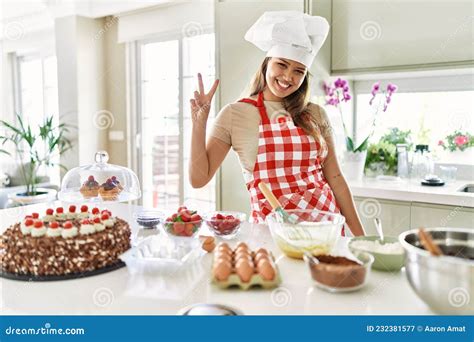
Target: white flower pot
458	157
353	165
19	198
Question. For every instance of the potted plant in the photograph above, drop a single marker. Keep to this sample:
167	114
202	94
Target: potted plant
458	147
382	158
34	149
355	154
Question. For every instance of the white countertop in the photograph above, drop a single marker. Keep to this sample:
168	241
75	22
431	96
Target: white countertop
412	191
119	292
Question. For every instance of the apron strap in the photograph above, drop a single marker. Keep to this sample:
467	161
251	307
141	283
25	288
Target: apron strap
261	107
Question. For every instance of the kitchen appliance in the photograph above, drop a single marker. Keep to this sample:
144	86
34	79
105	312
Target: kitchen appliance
445	283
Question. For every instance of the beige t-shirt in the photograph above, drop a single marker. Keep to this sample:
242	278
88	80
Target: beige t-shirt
237	125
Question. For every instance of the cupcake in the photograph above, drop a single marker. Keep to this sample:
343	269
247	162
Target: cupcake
53	229
69	230
38	229
90	188
109	191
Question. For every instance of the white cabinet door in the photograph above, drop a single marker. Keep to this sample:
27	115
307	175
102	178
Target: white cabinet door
371	35
395	216
430	215
238	60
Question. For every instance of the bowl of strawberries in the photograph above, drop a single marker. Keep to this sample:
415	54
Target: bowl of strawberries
183	223
225	224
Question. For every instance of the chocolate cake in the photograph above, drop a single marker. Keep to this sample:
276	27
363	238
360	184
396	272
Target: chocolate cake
53	247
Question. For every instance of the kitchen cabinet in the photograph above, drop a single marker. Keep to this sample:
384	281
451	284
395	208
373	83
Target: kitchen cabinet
399	216
429	215
368	35
395	215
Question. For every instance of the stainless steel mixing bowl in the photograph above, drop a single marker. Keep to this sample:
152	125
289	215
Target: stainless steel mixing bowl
444	283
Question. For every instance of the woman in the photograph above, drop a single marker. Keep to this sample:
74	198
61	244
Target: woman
280	137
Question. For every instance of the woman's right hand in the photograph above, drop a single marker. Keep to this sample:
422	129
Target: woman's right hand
201	104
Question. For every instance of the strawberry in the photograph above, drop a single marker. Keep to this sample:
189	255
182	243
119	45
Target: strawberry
182	208
84	209
29	222
196	217
72	208
97	220
105	217
185	216
38	224
54	225
95	211
174	217
189	229
90	178
85	221
105	211
35	215
67	225
219	216
49	211
59	210
178	228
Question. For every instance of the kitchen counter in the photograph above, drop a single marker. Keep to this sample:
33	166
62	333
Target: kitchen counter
413	191
120	292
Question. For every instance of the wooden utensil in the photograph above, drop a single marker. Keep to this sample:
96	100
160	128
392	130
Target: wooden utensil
428	243
275	203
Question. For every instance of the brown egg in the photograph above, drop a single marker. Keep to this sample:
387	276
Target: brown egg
225	257
259	256
262	250
266	270
244	270
243	245
221	250
222	270
208	247
244	256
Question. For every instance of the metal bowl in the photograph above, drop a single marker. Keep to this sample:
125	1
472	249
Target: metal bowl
444	283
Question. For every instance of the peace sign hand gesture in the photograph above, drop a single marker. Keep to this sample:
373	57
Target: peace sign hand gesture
201	104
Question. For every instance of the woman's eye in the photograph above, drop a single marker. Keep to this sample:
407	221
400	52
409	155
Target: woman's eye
282	65
300	72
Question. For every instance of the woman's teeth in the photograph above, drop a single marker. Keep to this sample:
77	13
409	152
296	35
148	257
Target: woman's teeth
283	84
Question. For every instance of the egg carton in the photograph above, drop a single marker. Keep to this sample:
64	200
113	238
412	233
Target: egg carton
256	280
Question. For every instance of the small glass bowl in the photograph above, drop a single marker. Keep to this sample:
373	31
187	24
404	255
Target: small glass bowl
148	218
222	225
334	277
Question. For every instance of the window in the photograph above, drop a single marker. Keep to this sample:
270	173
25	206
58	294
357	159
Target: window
167	81
431	109
38	96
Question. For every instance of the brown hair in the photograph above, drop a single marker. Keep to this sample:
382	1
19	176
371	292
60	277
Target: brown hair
297	104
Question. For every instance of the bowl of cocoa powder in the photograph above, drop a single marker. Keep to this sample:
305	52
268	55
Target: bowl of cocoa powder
338	273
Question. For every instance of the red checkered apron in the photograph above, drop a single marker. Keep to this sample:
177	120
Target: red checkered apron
288	161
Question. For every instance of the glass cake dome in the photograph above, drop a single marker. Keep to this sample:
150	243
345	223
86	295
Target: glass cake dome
100	182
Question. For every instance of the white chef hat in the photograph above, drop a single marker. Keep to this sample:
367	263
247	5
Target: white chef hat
289	34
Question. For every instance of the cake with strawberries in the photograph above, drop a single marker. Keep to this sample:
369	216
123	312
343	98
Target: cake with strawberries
64	242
